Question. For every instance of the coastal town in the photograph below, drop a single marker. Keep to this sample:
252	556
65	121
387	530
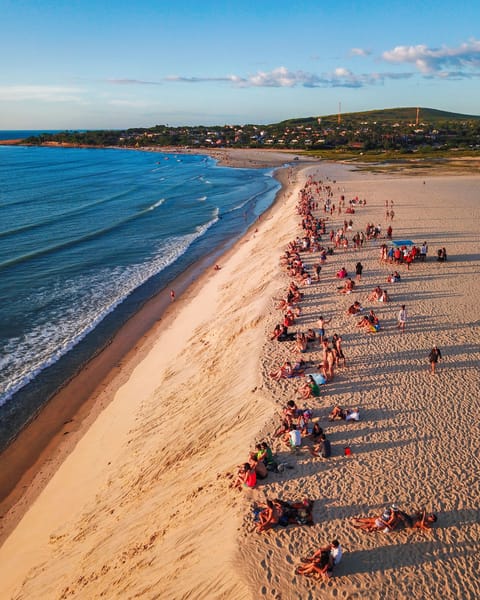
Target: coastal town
403	130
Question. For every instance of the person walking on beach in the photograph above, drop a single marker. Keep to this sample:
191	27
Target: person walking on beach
172	295
358	271
402	318
434	356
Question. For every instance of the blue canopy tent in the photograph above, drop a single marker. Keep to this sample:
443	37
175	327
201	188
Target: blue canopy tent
400	243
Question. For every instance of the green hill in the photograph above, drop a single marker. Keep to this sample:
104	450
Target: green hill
387	115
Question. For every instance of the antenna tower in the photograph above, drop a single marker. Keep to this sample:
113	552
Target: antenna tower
418	117
339	120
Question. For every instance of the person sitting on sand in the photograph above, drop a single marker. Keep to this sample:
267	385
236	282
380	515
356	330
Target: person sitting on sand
301	342
323	448
393	277
337	413
283	428
375	294
270	460
344	414
386	522
284	372
259	466
384	297
368	320
321	562
293	438
342	273
348	286
304	421
264	453
288	318
355	308
316	433
309	389
269	515
311	335
246	477
279	333
352	415
290	413
282	304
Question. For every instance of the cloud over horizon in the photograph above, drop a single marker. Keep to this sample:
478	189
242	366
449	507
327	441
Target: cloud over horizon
281	77
439	61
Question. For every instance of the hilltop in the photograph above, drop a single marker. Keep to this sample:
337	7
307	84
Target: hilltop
388	115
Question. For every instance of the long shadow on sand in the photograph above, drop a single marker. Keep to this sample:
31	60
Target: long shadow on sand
409	554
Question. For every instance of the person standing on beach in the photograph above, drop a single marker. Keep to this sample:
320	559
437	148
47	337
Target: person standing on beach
321	328
358	271
434	356
402	318
172	295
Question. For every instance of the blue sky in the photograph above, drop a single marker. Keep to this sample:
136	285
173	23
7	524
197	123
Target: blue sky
94	64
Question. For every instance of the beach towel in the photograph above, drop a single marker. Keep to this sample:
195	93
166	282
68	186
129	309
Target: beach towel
319	378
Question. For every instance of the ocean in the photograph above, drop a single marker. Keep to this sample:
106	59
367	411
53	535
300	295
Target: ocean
87	236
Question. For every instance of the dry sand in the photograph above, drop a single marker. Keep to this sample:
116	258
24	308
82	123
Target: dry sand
142	506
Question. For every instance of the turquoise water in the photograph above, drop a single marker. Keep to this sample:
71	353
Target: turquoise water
86	237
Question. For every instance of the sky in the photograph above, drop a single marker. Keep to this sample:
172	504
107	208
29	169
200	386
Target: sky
100	64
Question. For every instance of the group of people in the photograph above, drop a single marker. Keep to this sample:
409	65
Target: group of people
392	518
298	428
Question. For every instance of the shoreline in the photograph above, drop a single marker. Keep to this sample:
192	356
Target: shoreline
41	445
143	506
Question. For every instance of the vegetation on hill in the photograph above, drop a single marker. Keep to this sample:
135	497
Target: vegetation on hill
396	131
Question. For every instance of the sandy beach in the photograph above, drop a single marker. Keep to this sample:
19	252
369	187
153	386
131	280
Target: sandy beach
136	500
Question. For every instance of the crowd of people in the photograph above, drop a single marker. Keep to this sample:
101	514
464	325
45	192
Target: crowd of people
302	262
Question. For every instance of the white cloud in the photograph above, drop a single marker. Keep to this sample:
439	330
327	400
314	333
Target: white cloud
279	77
282	77
43	93
444	61
132	82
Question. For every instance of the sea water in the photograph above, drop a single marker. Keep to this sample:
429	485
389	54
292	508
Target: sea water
86	237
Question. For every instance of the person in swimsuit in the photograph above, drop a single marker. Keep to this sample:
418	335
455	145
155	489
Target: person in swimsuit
386	522
269	515
423	520
337	341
